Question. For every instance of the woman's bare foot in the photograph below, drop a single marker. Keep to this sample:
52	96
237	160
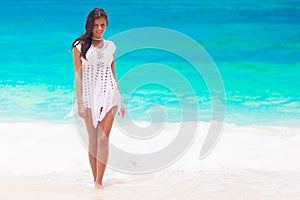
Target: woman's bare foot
98	186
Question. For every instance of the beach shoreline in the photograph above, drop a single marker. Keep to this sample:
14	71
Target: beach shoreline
41	160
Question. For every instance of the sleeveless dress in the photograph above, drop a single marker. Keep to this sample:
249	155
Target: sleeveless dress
99	88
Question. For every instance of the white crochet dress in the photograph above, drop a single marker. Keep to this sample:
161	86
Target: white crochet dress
99	88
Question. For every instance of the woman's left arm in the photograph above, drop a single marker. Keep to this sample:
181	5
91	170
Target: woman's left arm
122	110
114	72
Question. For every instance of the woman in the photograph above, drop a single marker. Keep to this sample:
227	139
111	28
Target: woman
97	90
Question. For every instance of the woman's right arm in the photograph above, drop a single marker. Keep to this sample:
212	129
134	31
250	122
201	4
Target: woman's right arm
78	82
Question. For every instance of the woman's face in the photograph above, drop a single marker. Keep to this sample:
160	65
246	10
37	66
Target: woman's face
99	27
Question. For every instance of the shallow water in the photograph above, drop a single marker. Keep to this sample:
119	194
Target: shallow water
254	45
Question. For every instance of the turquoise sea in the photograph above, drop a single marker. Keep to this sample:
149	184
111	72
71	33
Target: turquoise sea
254	44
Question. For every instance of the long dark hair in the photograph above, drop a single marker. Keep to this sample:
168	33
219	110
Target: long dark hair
86	39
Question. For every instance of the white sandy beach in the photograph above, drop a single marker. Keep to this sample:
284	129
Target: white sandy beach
47	161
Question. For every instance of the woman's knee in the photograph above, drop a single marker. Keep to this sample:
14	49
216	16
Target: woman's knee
102	140
93	145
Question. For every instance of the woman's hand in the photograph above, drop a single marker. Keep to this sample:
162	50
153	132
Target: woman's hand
81	110
122	112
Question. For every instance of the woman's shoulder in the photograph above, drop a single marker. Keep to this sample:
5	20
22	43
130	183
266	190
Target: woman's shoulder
77	44
111	45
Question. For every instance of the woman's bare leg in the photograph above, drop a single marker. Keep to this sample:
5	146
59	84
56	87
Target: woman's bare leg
103	138
92	131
